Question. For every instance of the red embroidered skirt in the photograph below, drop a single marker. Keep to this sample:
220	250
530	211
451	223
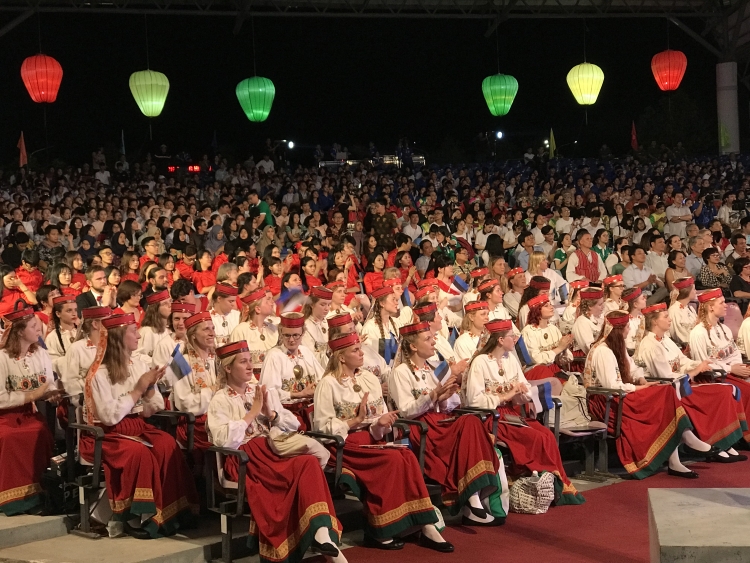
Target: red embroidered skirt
303	410
389	484
459	456
534	449
25	450
289	500
653	420
715	414
143	480
744	387
542	371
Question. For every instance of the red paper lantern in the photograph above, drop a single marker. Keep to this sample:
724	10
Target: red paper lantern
669	68
42	76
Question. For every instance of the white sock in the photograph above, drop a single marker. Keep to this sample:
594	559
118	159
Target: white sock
692	440
431	533
732	451
466	511
723	454
322	535
475	501
338	559
675	464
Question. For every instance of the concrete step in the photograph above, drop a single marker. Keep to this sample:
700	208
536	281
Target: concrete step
23	529
193	546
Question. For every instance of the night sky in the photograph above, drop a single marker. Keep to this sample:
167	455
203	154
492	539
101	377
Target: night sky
337	80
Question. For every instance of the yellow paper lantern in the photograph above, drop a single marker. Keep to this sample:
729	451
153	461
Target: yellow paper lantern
585	80
149	88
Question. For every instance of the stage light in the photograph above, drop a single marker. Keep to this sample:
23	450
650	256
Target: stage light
499	134
291	144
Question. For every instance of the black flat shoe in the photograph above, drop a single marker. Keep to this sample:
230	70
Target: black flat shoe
716	458
466	521
137	533
737	457
442	547
709	455
326	548
683	474
394	545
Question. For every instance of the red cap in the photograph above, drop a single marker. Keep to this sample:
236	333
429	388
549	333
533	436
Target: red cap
344	341
579	284
20	314
118	320
178	307
320	292
710	294
538	301
335	284
292	320
593	293
62	299
544	285
618	318
96	312
499	325
426	282
514	272
609	280
425	309
157	297
232	348
382	292
256	295
655	308
225	290
392	282
425	291
479	272
486	285
196	319
632	296
683	283
476	306
414	328
340	320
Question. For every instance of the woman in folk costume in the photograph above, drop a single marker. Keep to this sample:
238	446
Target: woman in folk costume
256	329
428	293
546	345
539	285
711	340
478	275
682	315
64	328
373	362
460	454
588	325
338	298
291	506
192	391
80	355
404	311
149	484
315	311
539	266
491	292
349	403
717	417
613	288
443	350
25	440
380	331
568	318
292	369
517	285
476	316
636	301
496	381
224	312
177	336
154	324
653	421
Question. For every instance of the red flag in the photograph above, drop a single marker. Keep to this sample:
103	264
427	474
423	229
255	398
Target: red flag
23	159
633	138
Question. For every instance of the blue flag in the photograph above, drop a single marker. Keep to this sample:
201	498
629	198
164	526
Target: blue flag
459	284
682	387
390	348
179	364
442	370
42	343
545	396
405	299
453	336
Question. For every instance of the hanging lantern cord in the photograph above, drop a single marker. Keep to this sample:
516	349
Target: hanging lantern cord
585	109
44	106
148	67
497	40
252	32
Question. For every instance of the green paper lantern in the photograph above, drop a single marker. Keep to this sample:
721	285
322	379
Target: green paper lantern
256	96
499	92
149	88
585	81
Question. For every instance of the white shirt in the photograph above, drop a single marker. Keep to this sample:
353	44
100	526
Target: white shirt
663	358
675	210
410	393
585	332
259	341
78	359
224	325
563	225
413	232
717	346
540	342
658	264
511	301
633	275
570	269
20	375
683	320
278	371
605	371
315	338
193	392
57	349
149	339
480	385
465	346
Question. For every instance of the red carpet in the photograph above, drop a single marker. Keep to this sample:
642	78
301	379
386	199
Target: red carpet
611	527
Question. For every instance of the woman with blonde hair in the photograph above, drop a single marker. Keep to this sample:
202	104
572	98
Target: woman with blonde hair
287	492
459	455
256	328
315	311
588	325
120	393
349	403
381	328
26	443
539	266
154	324
498	267
613	288
682	315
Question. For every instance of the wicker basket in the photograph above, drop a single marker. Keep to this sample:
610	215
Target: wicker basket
533	495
